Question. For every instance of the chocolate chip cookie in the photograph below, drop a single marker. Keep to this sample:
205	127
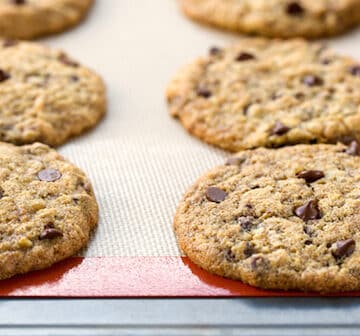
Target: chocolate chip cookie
283	218
48	208
45	95
277	18
268	93
27	19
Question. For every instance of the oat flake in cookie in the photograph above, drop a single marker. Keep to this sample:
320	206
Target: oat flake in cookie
277	18
45	95
284	218
268	93
27	19
47	208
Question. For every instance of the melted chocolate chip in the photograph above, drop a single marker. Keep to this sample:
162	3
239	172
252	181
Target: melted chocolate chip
4	76
308	211
279	129
234	161
63	58
203	92
49	175
229	255
311	80
310	175
216	195
244	56
245	223
9	43
355	70
294	9
353	149
257	263
18	2
50	233
214	51
249	250
343	248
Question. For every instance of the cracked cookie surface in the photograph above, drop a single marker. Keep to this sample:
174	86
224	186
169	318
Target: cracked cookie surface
48	208
268	93
46	96
27	19
277	18
278	218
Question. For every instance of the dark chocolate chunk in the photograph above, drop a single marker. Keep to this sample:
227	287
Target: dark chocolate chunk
249	250
216	195
202	91
294	9
308	242
214	51
353	149
308	211
4	76
49	175
311	80
245	223
310	175
258	263
355	70
50	232
244	56
343	248
279	129
229	255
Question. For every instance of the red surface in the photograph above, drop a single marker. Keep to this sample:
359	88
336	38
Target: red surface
130	277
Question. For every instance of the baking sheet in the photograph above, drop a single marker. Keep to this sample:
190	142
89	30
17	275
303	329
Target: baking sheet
139	159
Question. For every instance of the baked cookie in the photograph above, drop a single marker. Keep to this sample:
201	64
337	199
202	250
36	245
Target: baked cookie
27	19
268	93
45	96
48	208
283	218
277	18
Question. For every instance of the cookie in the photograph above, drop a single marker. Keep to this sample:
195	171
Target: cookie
277	18
48	208
27	19
283	218
268	93
46	96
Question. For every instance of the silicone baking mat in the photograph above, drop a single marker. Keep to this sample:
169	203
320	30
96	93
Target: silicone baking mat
139	159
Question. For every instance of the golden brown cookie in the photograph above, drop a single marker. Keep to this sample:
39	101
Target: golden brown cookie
268	93
277	18
47	208
46	96
278	218
27	19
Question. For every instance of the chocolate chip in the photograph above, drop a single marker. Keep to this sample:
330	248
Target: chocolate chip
203	92
343	248
355	70
229	255
214	51
299	95
308	231
216	195
244	56
308	242
50	233
246	109
49	175
313	141
234	161
311	80
279	129
325	61
310	175
9	43
63	58
74	78
4	76
258	262
249	250
1	192
353	149
308	211
294	9
18	2
245	223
